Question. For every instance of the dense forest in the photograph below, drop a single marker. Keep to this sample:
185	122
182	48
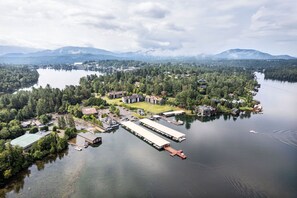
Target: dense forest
281	73
13	78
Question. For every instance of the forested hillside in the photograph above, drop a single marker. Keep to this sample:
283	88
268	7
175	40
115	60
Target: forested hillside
13	78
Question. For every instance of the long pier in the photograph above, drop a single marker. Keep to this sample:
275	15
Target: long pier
146	135
171	133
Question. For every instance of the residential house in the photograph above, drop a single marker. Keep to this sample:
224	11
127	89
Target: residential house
204	110
116	94
154	100
132	99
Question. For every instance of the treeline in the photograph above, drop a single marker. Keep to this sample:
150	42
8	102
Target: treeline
282	73
13	78
29	104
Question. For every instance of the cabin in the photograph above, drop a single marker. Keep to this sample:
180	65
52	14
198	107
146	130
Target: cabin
116	94
132	99
154	100
204	110
90	137
89	111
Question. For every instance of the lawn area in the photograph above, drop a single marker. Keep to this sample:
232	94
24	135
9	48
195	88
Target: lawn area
116	101
155	109
152	108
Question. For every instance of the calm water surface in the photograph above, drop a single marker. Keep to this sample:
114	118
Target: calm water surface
224	159
60	78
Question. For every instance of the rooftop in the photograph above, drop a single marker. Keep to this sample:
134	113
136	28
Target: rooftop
88	135
163	128
26	140
89	110
133	96
160	142
174	112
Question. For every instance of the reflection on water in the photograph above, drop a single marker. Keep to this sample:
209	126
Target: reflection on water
224	159
16	183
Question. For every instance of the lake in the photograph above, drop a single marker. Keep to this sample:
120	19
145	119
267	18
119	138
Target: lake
60	78
224	159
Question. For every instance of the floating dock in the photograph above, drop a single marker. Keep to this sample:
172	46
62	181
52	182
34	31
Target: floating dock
146	135
172	113
174	152
171	133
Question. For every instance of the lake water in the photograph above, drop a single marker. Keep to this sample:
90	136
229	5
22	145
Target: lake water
224	159
60	78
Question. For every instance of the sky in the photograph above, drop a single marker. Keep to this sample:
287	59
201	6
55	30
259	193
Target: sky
169	27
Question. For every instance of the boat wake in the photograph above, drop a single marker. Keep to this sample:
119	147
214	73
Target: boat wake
287	137
244	189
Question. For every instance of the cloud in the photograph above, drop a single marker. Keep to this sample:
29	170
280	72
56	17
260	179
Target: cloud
151	10
170	27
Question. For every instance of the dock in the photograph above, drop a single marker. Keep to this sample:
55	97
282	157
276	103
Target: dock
172	121
152	139
173	113
146	135
174	152
166	131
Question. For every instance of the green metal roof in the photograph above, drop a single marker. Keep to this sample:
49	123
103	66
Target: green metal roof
25	140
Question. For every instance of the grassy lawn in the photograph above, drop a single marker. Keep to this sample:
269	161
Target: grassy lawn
246	108
155	109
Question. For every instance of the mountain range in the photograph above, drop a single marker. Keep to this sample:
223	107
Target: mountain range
71	54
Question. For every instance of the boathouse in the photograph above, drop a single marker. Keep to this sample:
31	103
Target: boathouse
90	137
146	135
164	130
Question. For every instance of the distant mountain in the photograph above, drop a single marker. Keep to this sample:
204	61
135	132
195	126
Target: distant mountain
70	50
73	54
7	49
248	54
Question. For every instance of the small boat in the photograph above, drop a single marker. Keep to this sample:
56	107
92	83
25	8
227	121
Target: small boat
252	131
78	148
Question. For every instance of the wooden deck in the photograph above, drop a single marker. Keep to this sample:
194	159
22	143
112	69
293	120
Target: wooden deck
174	152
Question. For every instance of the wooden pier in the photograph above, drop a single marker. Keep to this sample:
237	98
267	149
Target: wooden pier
174	152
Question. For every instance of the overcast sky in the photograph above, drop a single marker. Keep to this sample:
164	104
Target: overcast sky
171	27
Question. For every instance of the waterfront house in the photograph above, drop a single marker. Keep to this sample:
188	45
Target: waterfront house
154	100
204	110
116	94
132	99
